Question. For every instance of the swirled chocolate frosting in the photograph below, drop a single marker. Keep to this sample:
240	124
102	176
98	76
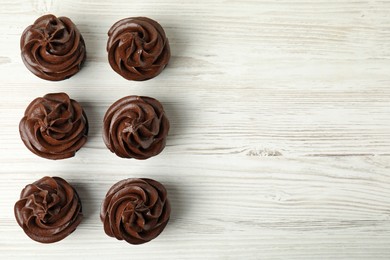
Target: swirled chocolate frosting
135	210
54	126
135	127
138	48
52	48
48	210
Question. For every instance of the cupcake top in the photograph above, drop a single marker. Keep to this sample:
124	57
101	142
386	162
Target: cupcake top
135	210
54	126
52	48
48	210
137	48
135	127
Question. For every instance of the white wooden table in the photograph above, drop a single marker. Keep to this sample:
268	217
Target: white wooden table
280	129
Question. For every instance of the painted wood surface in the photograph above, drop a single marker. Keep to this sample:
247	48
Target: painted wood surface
280	129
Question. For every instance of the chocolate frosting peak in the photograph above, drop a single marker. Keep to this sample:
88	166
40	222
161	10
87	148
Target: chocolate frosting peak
135	127
135	210
52	48
138	48
48	210
54	127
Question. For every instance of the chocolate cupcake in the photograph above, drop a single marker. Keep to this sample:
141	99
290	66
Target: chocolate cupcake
54	127
52	48
48	210
135	210
138	48
135	127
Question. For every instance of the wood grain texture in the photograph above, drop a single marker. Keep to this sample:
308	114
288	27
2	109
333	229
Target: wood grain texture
280	129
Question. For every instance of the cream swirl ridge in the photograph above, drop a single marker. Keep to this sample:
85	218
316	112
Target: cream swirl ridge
135	210
135	127
53	48
54	126
48	210
138	48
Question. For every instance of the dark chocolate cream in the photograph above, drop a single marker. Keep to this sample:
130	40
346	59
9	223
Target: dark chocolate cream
135	127
48	210
135	210
138	48
53	48
54	126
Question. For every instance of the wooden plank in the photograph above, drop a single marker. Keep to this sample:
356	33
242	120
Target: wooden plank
226	207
